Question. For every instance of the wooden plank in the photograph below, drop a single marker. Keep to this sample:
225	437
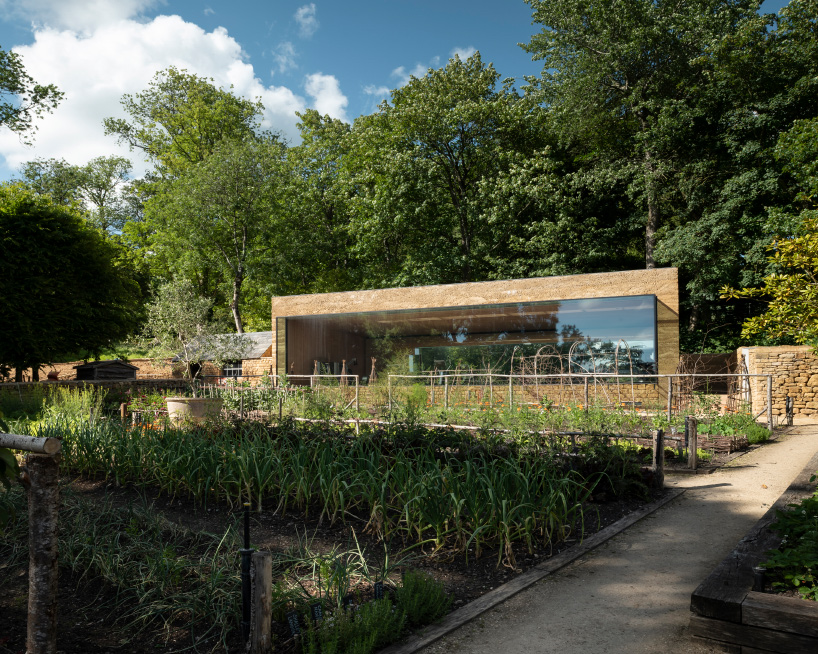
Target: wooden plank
722	593
791	614
745	635
461	616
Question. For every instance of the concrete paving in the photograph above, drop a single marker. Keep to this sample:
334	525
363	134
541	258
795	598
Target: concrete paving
632	594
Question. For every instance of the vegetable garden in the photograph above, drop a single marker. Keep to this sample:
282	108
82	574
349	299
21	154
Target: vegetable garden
358	503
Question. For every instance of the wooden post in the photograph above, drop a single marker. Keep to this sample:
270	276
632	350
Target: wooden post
261	640
770	403
669	400
280	407
432	384
659	458
692	442
357	400
446	392
43	507
241	405
510	392
122	408
389	388
586	395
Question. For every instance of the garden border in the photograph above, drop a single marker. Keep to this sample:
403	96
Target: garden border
727	611
470	611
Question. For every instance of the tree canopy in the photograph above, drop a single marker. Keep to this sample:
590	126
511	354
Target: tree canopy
65	288
22	100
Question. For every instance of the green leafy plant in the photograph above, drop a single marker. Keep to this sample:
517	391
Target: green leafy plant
423	599
795	562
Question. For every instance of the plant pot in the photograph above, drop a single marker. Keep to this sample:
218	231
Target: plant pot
193	409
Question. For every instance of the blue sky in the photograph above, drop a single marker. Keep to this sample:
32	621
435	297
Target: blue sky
338	57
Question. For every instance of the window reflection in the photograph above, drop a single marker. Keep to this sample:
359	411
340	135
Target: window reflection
602	335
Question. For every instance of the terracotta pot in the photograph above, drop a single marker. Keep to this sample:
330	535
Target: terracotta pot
193	409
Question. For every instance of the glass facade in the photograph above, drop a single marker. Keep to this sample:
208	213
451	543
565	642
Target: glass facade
602	335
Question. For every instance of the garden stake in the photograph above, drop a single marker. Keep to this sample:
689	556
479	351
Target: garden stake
246	554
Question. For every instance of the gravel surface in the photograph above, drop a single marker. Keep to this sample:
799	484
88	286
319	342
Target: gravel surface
632	595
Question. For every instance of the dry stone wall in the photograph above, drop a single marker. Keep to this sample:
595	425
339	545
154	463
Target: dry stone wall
794	369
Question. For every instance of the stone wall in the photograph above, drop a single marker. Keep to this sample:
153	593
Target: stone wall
794	369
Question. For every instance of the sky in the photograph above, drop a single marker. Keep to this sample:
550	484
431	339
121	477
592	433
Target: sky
339	57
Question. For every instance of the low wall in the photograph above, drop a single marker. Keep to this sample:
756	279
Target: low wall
794	369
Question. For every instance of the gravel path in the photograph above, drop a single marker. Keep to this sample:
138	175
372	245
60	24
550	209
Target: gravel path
632	595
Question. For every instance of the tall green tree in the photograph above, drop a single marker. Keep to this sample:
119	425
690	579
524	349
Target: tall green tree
64	288
22	100
98	187
422	166
180	118
320	252
222	212
619	78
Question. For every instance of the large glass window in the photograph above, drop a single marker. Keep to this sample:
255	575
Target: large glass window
590	335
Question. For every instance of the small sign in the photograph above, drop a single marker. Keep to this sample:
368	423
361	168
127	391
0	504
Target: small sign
347	601
378	590
292	620
317	612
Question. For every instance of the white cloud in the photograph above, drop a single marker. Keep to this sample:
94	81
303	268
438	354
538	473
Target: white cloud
326	93
307	22
79	15
464	53
209	12
403	76
95	70
284	56
377	91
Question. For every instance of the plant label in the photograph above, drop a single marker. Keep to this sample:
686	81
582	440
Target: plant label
317	612
292	621
378	590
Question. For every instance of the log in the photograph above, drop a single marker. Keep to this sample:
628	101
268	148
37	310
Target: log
32	444
261	639
43	507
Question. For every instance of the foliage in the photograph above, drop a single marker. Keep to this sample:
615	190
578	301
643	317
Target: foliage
23	99
423	599
180	119
9	471
474	497
792	308
222	213
795	562
374	625
424	167
160	575
179	328
64	287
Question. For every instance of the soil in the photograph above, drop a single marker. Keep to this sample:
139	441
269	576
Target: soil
84	625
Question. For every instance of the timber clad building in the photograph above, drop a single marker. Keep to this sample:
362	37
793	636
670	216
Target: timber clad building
482	324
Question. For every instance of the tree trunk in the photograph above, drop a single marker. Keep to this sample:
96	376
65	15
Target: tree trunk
234	304
653	211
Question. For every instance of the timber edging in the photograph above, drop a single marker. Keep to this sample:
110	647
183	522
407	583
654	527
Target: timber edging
726	609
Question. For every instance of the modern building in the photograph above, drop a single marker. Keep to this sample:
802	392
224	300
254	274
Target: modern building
623	320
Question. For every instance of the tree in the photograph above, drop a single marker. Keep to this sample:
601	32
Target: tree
98	187
792	290
180	118
620	76
422	170
319	253
63	286
179	328
22	100
223	212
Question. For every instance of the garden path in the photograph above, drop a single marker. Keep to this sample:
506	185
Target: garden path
632	594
